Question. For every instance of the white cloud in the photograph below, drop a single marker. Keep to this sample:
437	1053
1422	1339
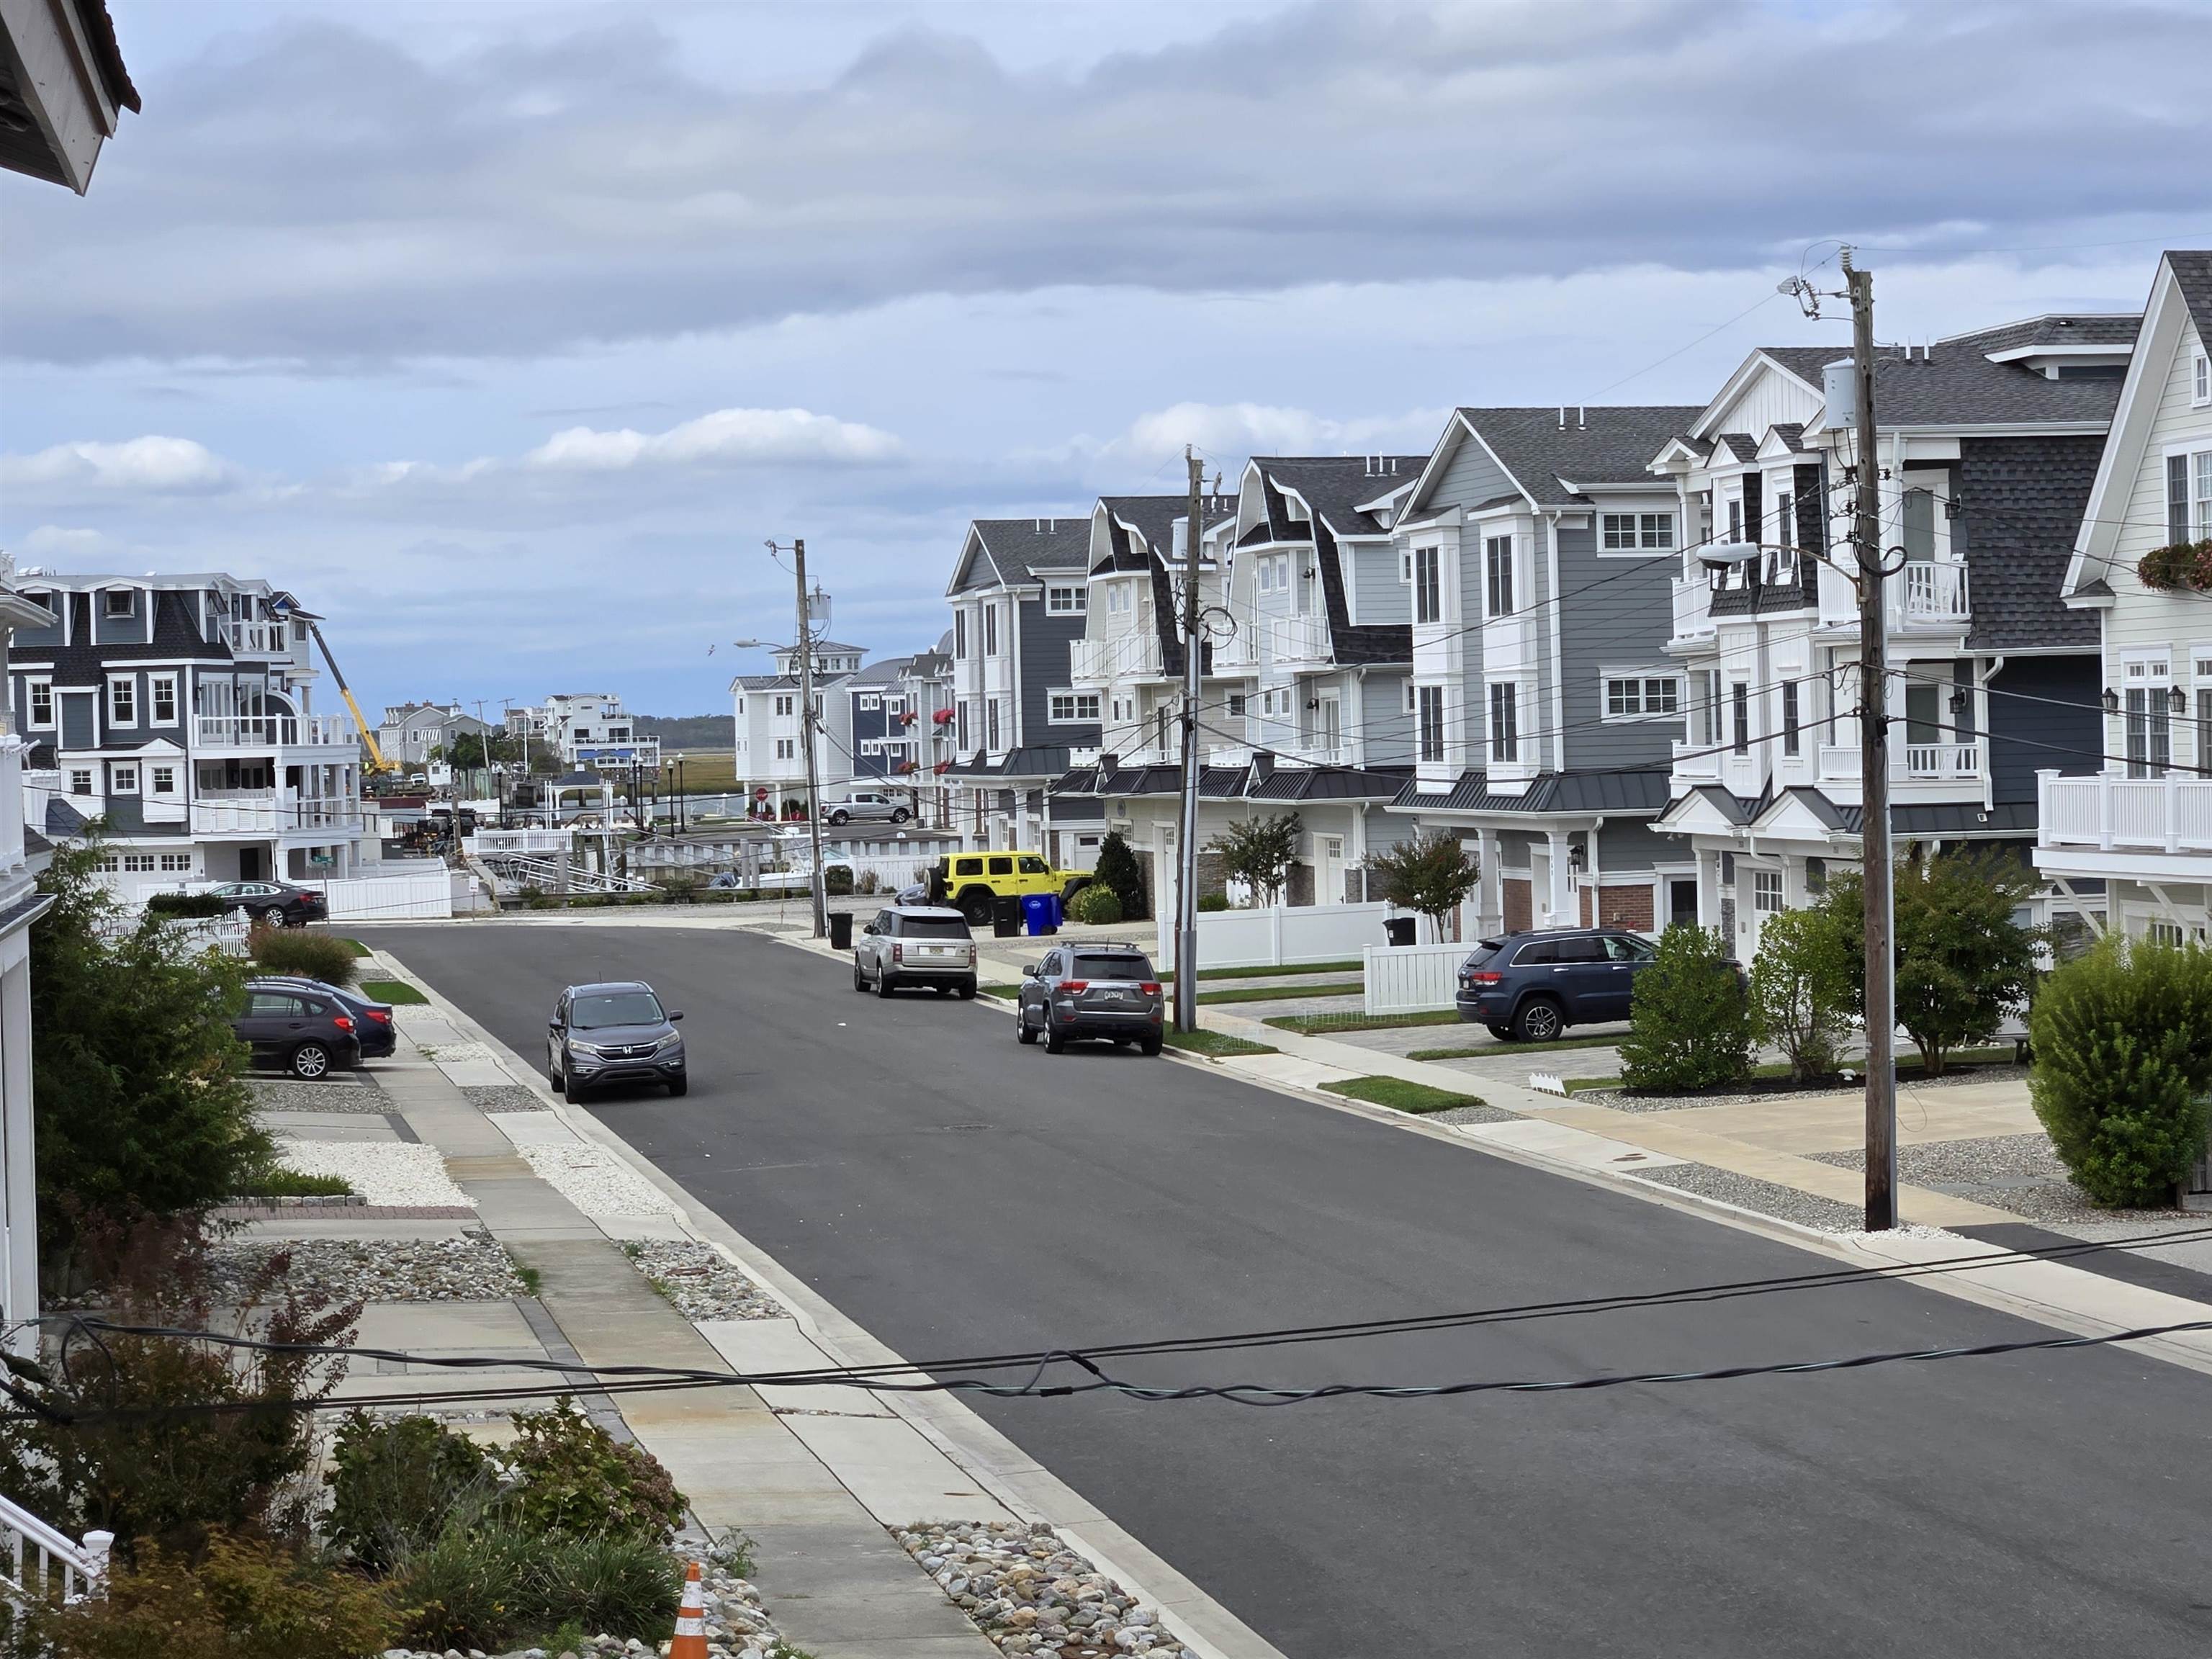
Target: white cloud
73	543
152	464
1229	432
727	437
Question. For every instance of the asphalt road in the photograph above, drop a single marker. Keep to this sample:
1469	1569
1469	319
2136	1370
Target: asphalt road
956	1194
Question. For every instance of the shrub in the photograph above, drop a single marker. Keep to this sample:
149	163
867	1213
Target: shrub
492	1587
1429	875
248	1599
1691	1021
2123	1042
396	1484
304	955
1118	871
577	1478
867	884
1095	904
2176	566
1803	988
1212	902
184	904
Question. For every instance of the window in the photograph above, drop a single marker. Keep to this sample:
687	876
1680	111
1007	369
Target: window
1236	705
991	721
871	705
785	707
119	602
960	633
164	780
1709	700
1065	601
164	689
1785	520
176	863
990	630
741	708
1643	697
1497	574
80	781
1406	565
1410	700
123	703
960	725
138	863
126	779
1736	520
2204	730
2150	732
1766	891
42	703
1273	572
2199	384
1068	708
1788	717
1624	532
785	749
1428	592
1117	598
1431	700
1740	734
1504	730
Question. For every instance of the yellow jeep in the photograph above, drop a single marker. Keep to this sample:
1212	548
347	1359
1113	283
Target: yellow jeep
969	881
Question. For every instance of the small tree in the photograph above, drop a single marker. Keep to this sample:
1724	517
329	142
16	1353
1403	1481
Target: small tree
1117	870
1430	875
1691	1022
1259	852
1804	985
2122	1040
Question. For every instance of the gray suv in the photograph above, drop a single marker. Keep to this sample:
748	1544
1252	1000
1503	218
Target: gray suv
1104	991
613	1032
915	944
867	806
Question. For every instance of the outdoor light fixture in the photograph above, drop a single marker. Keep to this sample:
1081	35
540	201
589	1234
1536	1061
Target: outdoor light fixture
2112	701
2177	700
1726	556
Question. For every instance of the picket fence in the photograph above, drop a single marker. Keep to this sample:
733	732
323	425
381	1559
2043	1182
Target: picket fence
1411	978
1283	936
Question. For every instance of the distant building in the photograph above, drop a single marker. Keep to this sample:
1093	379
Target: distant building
770	764
412	734
586	730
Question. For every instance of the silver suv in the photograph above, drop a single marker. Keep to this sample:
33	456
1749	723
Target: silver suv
867	806
915	944
1104	991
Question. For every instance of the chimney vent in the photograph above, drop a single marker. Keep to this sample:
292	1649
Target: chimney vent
1582	417
1563	417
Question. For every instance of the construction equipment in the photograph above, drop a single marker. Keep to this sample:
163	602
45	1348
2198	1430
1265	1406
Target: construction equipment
376	760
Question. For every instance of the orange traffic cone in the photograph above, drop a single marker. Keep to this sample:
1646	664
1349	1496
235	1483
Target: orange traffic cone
690	1641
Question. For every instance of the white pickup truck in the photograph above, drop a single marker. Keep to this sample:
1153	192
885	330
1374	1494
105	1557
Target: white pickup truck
867	805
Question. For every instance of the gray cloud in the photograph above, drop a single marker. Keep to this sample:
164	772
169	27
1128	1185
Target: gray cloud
308	194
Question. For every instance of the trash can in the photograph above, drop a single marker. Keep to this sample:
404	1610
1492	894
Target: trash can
1400	929
1037	913
1005	917
1055	913
840	930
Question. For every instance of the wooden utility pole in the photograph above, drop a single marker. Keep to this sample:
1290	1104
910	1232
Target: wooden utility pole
1186	983
807	735
1880	875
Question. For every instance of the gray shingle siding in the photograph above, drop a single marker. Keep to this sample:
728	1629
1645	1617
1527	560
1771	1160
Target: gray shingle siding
2071	724
2020	506
1045	664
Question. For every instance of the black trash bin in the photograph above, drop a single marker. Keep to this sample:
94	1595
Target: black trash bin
1005	917
1400	929
840	930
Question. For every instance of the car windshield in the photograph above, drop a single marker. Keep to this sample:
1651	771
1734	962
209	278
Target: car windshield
932	928
1483	952
603	1008
1113	967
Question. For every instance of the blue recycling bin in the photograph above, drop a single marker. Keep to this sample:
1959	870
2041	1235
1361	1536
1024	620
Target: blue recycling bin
1036	912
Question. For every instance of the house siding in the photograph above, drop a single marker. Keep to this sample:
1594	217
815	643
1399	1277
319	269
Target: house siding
1624	624
1377	595
2061	733
1387	728
1045	662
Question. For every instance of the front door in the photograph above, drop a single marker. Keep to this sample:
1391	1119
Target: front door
253	863
1682	901
1328	869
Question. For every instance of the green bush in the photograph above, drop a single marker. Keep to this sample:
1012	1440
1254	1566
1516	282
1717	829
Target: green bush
1119	872
578	1479
184	904
2122	1043
396	1484
1804	987
1095	904
304	955
837	879
495	1587
1691	1023
1210	903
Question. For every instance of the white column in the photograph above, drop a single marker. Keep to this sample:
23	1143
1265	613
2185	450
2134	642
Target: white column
18	1149
1556	885
1491	891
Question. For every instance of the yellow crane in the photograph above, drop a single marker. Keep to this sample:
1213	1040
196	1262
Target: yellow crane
376	760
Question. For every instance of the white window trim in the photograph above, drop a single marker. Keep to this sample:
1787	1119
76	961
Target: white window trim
1079	717
1641	717
2200	380
2201	523
1636	516
129	684
30	706
1076	597
124	779
871	705
152	779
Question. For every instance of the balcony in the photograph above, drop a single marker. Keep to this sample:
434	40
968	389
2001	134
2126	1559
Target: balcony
1125	656
272	731
1298	640
2171	815
265	812
1932	595
1694	609
260	639
1911	763
1699	763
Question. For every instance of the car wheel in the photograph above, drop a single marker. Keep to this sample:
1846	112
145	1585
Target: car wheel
678	1087
1024	1033
1054	1042
1539	1020
1151	1044
967	990
900	815
1503	1033
552	1073
840	818
569	1090
311	1061
883	983
976	907
859	980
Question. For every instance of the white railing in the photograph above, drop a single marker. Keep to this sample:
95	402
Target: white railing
42	1562
261	731
1693	608
269	816
266	639
1097	662
545	875
1941	760
1242	648
1227	754
1298	639
1699	760
2172	814
1934	592
11	803
1411	979
1319	754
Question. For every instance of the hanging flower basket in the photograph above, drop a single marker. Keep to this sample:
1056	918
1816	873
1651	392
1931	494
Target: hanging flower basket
2178	567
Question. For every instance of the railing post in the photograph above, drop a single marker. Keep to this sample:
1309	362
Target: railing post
98	1546
2172	811
2105	812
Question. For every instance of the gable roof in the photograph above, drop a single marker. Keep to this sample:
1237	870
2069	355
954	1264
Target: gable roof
1956	384
1023	548
1549	453
2192	274
1336	488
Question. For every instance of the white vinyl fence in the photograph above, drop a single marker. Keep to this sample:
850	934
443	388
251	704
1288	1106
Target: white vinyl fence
1411	979
1281	936
390	898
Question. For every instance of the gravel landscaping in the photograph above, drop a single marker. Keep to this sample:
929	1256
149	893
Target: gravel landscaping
1476	1114
503	1097
2019	1173
1029	1593
474	1267
699	1281
1907	1082
595	1180
354	1093
399	1173
1764	1197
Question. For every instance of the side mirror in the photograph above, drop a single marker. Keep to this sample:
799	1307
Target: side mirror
870	929
672	1018
553	1024
1034	970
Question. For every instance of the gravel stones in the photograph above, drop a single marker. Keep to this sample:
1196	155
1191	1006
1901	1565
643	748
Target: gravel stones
2019	1173
701	1282
398	1173
473	1267
1766	1198
595	1180
285	1094
1029	1593
1476	1114
503	1097
1622	1101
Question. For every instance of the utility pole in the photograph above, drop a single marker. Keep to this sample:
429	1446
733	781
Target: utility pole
1186	984
807	735
1880	876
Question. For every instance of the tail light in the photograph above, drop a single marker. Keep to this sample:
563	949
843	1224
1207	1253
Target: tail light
344	1022
1075	985
971	955
382	1016
1150	987
898	951
1484	979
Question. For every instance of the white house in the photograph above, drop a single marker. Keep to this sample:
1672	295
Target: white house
411	733
770	760
2130	846
591	730
21	904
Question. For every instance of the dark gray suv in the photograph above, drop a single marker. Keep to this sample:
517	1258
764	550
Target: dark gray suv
1533	986
615	1031
1104	991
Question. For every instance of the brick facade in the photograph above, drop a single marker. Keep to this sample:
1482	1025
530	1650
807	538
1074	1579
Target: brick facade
1516	900
1628	907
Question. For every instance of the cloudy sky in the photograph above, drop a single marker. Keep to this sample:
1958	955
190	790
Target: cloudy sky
505	334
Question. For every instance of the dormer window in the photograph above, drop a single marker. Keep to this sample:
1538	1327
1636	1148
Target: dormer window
119	602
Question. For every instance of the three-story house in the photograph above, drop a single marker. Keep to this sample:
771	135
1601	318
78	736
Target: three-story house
770	757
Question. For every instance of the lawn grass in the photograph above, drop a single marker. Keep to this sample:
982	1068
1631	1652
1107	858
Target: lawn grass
1323	1025
1215	1045
1259	973
1400	1095
352	945
275	1181
1279	992
390	990
1009	991
1490	1049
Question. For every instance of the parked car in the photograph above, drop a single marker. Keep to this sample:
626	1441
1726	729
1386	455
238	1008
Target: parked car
372	1020
309	1033
275	901
867	806
1532	986
970	881
613	1032
1108	992
926	945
